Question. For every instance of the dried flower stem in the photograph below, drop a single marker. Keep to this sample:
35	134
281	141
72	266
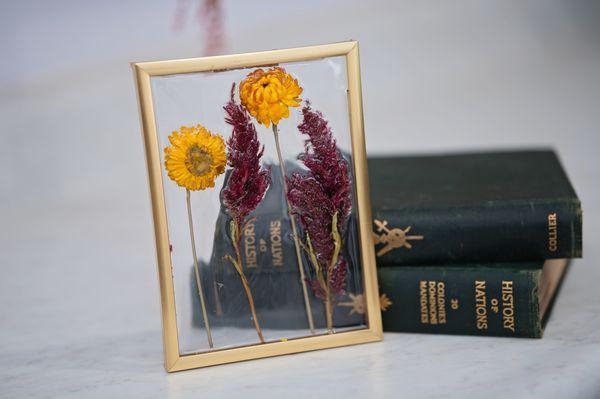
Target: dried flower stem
329	313
337	246
236	235
311	324
197	271
246	186
325	283
321	199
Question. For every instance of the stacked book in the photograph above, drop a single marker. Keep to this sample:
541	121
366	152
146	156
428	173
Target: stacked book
472	243
465	244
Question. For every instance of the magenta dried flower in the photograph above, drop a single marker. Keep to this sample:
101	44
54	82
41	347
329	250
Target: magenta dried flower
314	209
325	162
245	188
248	180
321	199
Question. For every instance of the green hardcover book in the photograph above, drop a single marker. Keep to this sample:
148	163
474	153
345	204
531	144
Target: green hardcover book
432	210
492	299
478	207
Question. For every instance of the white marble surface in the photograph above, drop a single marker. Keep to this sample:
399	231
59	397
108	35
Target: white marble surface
79	303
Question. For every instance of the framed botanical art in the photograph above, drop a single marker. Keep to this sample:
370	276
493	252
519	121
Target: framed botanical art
260	201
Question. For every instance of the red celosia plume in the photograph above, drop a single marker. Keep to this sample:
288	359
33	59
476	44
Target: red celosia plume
319	194
248	180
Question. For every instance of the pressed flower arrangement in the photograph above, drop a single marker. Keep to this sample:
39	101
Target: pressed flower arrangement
193	161
268	97
245	187
269	245
321	198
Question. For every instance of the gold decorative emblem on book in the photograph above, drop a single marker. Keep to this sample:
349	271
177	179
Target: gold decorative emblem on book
357	303
384	302
392	238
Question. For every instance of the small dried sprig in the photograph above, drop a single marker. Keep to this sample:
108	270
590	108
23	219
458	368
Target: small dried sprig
246	185
321	199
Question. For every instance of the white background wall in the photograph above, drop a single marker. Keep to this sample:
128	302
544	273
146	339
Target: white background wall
77	258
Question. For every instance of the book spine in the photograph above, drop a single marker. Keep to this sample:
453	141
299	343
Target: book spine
515	231
461	300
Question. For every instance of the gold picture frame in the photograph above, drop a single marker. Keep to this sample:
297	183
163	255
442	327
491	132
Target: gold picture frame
143	72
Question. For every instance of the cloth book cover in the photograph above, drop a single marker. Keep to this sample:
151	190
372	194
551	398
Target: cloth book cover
500	299
436	218
473	207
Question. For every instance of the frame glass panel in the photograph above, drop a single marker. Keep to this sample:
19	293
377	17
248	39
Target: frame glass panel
260	203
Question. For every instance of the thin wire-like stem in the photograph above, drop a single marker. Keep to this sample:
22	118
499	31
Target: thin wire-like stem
197	270
329	312
309	315
330	298
246	286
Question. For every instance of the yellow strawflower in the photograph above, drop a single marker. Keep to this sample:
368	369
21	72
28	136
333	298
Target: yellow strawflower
195	157
267	95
